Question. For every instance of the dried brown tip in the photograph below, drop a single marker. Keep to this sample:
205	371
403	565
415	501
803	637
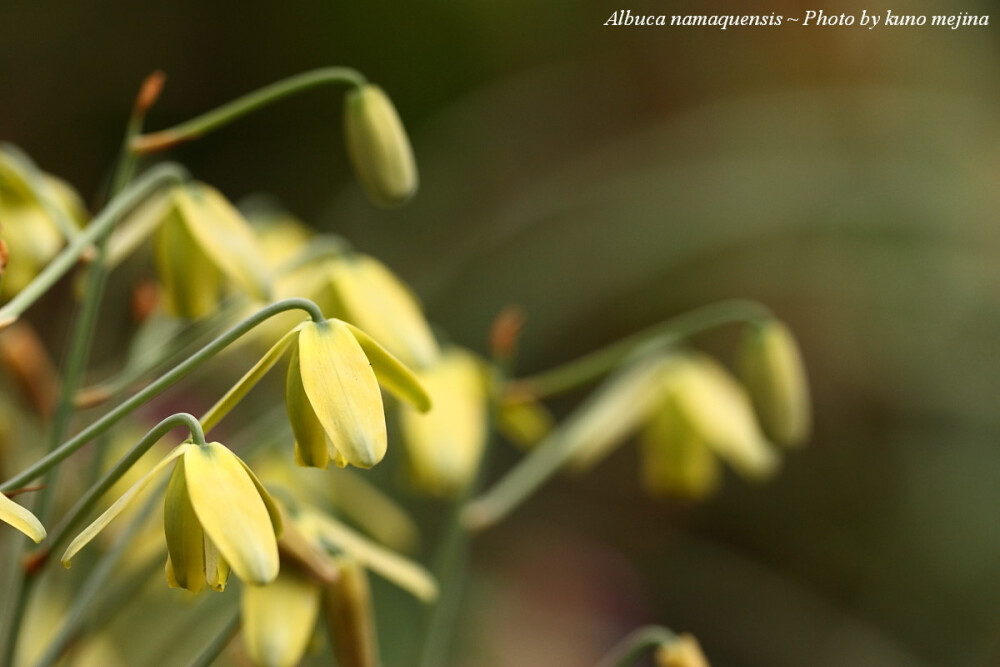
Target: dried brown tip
156	142
90	397
150	91
24	355
506	332
34	561
24	489
143	302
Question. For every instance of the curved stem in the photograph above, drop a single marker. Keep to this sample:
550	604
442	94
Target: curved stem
628	650
114	416
227	113
149	183
592	366
89	499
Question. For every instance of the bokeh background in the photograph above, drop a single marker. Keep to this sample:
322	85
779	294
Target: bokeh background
603	179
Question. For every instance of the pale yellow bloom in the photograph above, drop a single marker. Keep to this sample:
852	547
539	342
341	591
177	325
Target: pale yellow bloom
685	651
279	619
445	444
217	516
19	517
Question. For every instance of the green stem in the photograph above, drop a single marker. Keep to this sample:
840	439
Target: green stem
177	373
135	194
226	114
549	456
450	572
86	503
628	650
218	644
592	366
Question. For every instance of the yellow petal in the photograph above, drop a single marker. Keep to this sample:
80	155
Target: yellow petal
674	460
446	444
279	619
184	535
373	298
523	421
249	380
224	236
378	147
273	513
343	391
310	437
772	369
191	282
613	413
391	373
718	410
20	518
232	512
216	567
402	571
116	508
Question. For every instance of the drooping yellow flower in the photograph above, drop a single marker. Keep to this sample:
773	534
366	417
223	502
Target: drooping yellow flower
685	651
332	392
378	146
35	211
279	619
201	241
373	298
19	517
772	369
445	444
217	516
675	460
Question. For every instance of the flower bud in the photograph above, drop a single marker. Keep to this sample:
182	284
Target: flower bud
351	617
772	369
378	147
682	652
675	461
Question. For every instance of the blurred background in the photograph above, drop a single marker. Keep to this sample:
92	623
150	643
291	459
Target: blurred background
604	179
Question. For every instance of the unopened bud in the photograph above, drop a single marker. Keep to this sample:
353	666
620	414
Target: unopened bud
682	652
774	374
378	146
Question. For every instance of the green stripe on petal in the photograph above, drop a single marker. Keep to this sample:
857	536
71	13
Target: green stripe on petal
91	531
310	437
185	537
232	512
279	619
20	518
391	373
343	391
224	236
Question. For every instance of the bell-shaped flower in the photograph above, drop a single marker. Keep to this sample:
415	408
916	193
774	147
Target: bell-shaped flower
373	298
37	211
684	651
217	516
771	367
19	517
675	461
279	619
202	241
378	147
445	445
332	392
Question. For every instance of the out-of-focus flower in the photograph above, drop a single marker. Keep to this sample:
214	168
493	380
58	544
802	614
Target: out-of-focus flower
217	516
370	296
772	369
35	211
523	420
202	240
445	444
378	147
20	518
350	616
279	619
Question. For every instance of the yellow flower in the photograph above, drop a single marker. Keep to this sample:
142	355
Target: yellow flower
279	619
20	518
685	651
202	240
378	147
445	445
675	460
772	369
35	211
217	516
370	296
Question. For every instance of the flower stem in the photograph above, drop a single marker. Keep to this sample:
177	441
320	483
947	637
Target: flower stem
227	113
150	182
103	424
592	366
628	650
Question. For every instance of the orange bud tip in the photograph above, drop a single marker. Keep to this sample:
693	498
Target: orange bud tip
506	332
34	561
150	91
